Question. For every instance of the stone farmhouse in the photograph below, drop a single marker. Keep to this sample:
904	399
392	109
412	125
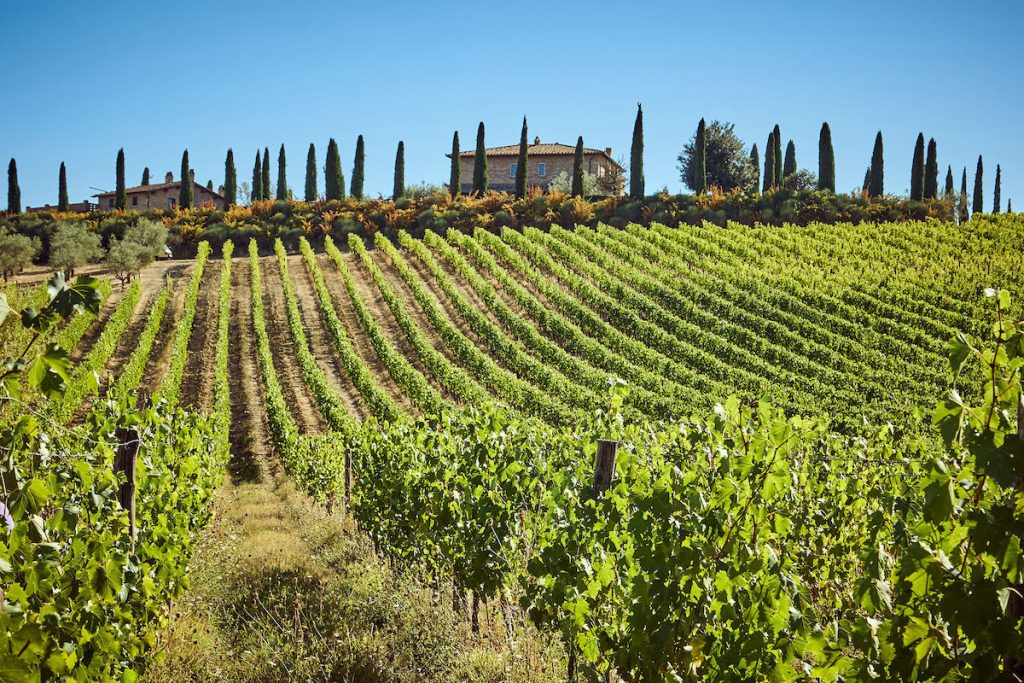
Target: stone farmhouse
163	195
545	162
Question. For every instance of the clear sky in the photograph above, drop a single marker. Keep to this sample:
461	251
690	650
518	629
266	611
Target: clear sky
83	79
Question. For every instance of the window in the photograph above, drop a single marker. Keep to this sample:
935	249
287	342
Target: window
135	200
512	170
542	169
170	202
600	171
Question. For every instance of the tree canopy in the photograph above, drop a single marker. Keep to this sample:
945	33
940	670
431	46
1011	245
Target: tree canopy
726	160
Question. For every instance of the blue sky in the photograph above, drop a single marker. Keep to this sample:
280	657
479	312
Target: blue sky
83	79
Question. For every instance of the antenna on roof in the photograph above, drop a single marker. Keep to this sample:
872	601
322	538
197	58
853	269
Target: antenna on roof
98	189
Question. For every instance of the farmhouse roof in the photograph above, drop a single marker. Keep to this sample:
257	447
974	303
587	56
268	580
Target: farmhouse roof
539	149
139	189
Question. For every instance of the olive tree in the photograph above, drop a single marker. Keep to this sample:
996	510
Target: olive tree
16	252
139	247
73	245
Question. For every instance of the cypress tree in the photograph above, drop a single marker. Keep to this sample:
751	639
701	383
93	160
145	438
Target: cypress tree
399	190
265	174
145	176
311	191
917	170
62	189
867	181
186	194
121	196
13	191
358	169
755	164
480	162
1009	206
949	182
777	137
282	176
789	165
826	160
577	169
455	178
636	157
334	178
700	160
209	184
978	205
962	214
931	172
230	180
257	180
876	188
997	200
769	163
521	163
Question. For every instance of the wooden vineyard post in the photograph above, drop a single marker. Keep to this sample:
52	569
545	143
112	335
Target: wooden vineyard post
604	466
124	461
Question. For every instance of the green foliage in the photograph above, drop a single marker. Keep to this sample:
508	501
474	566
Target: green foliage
230	180
399	188
455	177
311	194
145	176
931	172
917	170
789	168
171	383
755	169
16	252
358	170
334	179
142	243
13	191
770	162
997	194
636	157
73	245
876	186
978	203
521	165
961	207
777	142
726	162
265	174
577	169
949	190
282	176
480	162
120	193
826	160
186	191
62	189
257	182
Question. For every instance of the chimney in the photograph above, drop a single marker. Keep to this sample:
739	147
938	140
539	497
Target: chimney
608	151
536	140
220	190
169	178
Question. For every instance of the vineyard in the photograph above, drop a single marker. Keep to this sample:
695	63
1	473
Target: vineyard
785	500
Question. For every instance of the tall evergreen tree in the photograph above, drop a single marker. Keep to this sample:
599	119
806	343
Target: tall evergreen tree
282	176
636	157
13	191
145	176
700	158
978	205
826	160
876	188
917	170
931	172
334	179
521	167
121	192
455	178
311	190
186	194
949	182
769	163
867	180
1009	206
962	214
480	162
997	198
755	164
209	184
777	137
399	190
789	165
62	189
257	180
358	170
230	180
265	174
577	169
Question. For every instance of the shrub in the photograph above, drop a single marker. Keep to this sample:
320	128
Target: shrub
73	245
16	252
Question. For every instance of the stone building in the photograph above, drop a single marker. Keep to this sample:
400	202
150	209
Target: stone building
163	196
545	161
